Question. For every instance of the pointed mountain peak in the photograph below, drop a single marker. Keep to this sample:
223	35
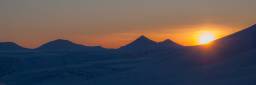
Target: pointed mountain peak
143	39
168	43
141	42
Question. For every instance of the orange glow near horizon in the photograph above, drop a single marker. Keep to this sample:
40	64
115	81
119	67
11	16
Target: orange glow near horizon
199	34
186	36
206	37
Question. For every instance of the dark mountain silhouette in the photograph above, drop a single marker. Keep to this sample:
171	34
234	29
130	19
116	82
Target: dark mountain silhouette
10	46
144	44
142	62
140	44
66	45
169	44
238	42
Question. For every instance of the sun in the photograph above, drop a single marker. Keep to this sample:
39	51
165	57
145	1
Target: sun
206	37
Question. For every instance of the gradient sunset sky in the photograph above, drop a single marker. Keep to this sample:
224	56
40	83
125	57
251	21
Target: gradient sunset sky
113	23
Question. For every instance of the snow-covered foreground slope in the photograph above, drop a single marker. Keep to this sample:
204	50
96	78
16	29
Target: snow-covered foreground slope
155	68
32	68
171	70
227	61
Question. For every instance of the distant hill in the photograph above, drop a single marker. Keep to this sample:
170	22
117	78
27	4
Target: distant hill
66	45
10	46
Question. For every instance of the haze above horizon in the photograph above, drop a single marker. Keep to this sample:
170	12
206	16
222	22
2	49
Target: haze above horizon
114	23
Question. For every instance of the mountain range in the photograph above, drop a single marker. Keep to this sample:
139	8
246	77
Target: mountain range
244	38
226	61
140	44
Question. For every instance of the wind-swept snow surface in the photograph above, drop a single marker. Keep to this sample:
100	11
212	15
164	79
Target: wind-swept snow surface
228	61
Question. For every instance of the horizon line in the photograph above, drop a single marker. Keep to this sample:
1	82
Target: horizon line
121	45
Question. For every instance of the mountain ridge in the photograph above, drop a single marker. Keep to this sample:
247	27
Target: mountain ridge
11	46
139	43
65	45
240	41
244	37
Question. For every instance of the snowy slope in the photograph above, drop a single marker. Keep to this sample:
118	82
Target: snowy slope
228	61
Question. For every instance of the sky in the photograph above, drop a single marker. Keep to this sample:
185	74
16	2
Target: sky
114	23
